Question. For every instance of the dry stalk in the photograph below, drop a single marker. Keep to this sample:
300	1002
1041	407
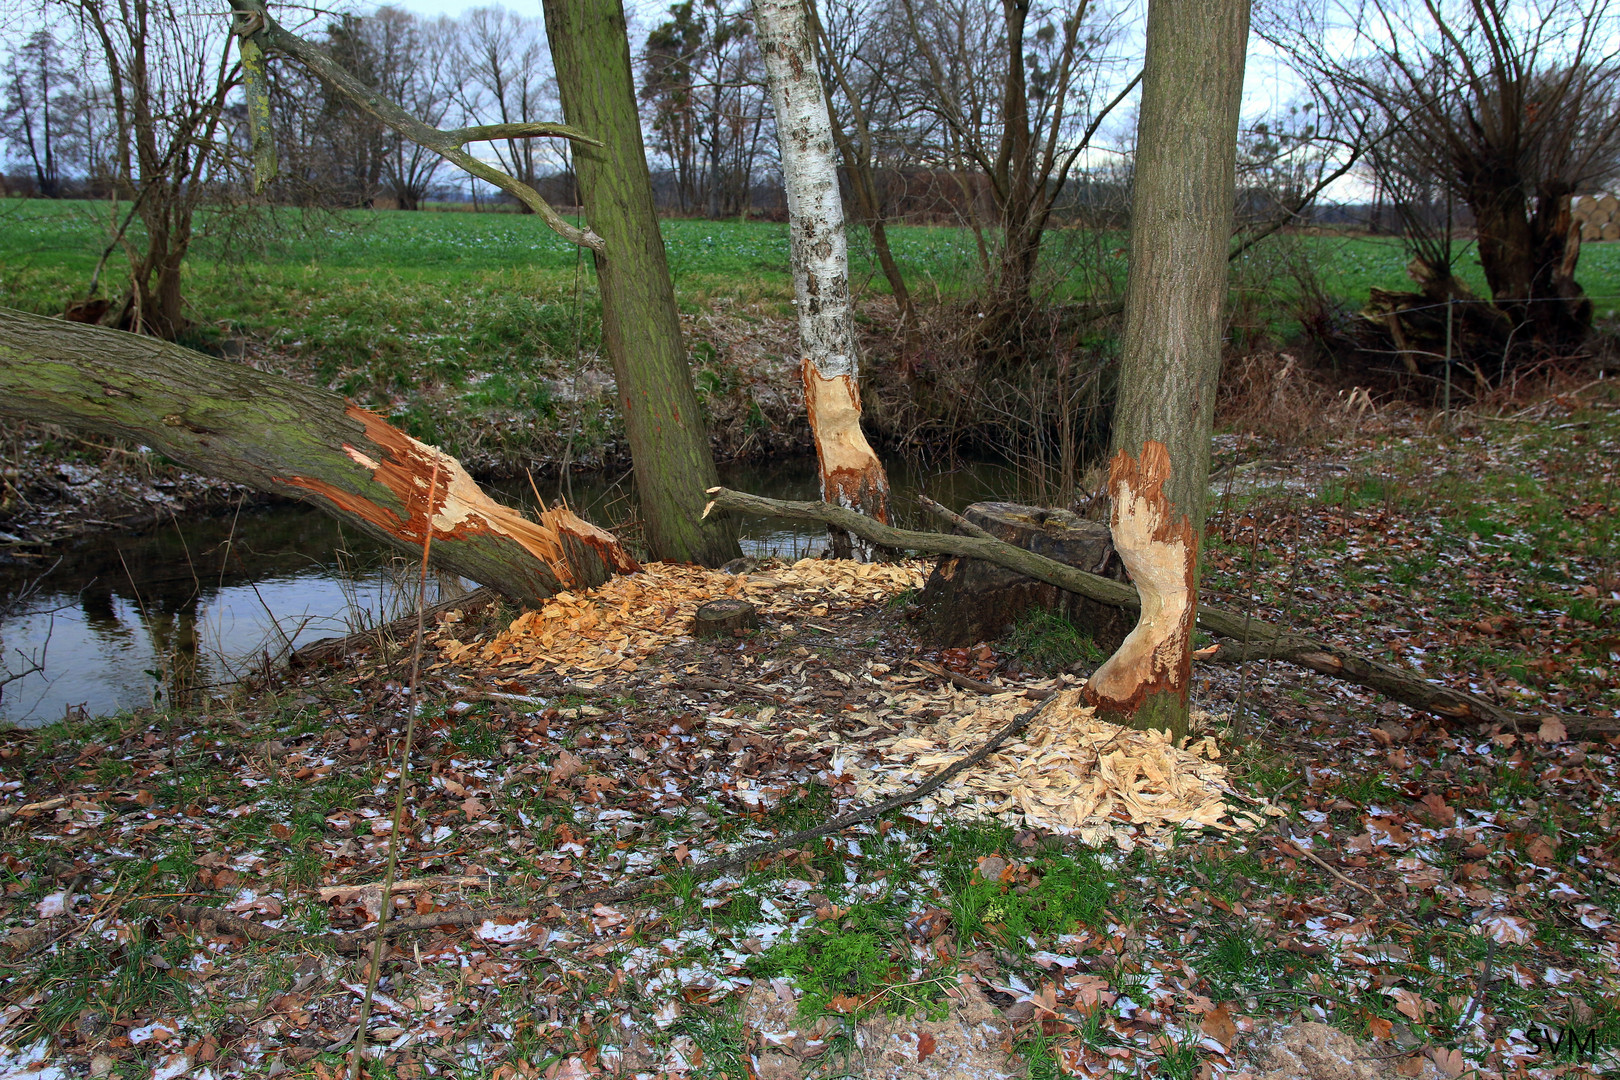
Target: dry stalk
381	942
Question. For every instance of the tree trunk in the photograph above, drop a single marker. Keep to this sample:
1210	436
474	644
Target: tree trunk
966	601
851	474
858	160
1529	262
232	422
641	330
1181	222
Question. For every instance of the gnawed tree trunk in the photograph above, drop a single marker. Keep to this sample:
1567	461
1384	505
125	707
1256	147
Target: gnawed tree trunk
851	474
249	427
1248	638
1181	224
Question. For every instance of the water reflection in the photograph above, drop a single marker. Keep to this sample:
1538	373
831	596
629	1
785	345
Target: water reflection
123	621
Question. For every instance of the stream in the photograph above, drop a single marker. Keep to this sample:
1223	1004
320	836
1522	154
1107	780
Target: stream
118	621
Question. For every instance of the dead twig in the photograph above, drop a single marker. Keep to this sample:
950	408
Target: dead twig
1288	834
967	682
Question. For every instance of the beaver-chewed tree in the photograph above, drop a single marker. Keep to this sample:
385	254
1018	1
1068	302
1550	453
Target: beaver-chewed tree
1181	224
247	426
851	474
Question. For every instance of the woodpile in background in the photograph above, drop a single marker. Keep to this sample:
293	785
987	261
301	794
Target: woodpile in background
1597	215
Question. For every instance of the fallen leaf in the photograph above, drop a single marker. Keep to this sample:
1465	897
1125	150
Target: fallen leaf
565	766
925	1045
1407	1003
1553	730
1447	1060
1380	1028
1441	814
1508	929
1218	1025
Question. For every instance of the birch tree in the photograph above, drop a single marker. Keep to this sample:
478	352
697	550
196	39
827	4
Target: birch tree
851	474
1181	223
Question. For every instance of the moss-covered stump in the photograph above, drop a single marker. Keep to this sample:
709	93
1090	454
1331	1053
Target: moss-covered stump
969	600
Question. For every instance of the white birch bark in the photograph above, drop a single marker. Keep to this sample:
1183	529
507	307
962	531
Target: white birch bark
851	474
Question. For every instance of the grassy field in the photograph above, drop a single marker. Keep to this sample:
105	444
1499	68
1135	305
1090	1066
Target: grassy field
471	329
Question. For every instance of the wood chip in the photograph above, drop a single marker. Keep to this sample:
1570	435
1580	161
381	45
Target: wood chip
1068	773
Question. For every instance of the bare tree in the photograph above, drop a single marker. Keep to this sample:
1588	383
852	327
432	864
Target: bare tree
168	76
412	62
1505	109
703	85
33	88
1019	93
504	77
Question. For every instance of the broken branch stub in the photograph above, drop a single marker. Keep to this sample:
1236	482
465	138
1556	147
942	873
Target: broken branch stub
1144	684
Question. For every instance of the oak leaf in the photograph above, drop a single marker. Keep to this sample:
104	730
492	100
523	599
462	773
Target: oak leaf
1218	1025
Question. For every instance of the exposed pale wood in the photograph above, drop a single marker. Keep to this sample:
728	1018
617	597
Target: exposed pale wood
1146	680
250	427
1251	639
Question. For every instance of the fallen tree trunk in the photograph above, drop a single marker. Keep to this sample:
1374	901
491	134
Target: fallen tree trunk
232	422
1251	639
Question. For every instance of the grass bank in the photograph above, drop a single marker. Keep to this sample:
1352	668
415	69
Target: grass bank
480	332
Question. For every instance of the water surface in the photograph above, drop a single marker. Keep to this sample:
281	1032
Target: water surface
117	621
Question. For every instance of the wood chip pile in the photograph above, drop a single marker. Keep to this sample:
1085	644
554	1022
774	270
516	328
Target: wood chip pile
1067	773
618	625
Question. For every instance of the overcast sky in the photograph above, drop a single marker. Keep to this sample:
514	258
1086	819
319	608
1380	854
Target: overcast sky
1268	86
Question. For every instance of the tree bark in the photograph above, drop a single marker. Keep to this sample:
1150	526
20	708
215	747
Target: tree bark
641	330
851	474
858	160
1250	638
249	427
1181	224
1529	262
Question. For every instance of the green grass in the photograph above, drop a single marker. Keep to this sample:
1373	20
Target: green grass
1049	643
470	330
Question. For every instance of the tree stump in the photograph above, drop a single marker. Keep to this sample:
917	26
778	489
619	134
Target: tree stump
718	618
966	601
